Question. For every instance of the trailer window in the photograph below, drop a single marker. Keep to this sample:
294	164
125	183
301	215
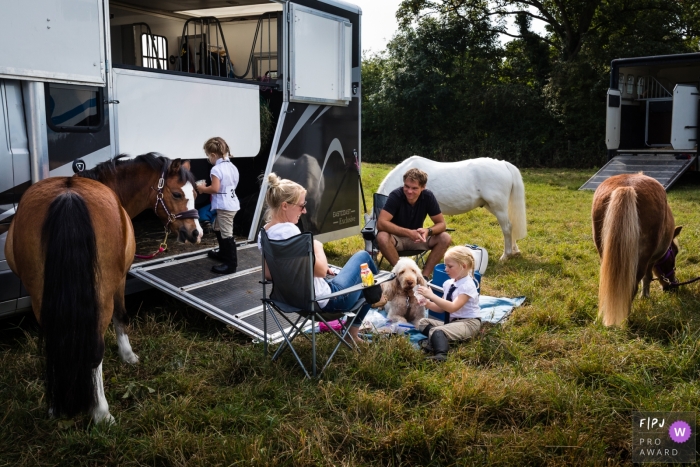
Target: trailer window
154	51
73	108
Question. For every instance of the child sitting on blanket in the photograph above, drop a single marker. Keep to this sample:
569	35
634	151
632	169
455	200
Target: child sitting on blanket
461	304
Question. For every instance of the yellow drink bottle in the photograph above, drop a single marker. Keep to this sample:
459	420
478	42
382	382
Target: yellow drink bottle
366	275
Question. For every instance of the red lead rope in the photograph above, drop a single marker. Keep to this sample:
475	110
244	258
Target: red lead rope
160	250
163	246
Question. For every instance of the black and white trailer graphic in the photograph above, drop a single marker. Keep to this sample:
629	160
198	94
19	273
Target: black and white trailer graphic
98	78
652	117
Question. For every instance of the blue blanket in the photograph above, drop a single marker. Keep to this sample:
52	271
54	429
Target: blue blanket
496	310
499	308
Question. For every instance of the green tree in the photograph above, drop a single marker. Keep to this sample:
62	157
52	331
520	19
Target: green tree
446	88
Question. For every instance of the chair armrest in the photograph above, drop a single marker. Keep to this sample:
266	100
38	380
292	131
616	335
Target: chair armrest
380	279
435	287
368	231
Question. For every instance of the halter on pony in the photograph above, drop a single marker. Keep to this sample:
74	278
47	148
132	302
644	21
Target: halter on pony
666	270
189	214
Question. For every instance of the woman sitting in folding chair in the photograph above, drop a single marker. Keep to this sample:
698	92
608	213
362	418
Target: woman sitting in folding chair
286	202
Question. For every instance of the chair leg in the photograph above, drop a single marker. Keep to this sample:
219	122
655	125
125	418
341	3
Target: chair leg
342	338
421	260
313	345
298	328
289	343
266	308
341	341
292	334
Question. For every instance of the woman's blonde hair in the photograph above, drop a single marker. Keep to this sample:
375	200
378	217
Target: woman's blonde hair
281	190
217	146
461	255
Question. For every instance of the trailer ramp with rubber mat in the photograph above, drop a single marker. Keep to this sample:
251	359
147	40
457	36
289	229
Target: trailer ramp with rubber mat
666	168
233	299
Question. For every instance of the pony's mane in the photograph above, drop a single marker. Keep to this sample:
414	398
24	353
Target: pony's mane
108	169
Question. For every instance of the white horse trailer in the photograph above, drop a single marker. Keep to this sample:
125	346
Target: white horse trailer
652	117
82	81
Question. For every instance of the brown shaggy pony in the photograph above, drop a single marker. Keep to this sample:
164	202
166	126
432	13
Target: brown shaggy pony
633	229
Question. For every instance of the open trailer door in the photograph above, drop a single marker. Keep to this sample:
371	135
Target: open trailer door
53	40
684	120
317	140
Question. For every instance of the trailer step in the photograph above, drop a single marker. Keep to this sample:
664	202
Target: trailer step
663	167
233	299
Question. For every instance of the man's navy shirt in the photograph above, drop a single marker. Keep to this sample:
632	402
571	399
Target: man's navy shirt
407	216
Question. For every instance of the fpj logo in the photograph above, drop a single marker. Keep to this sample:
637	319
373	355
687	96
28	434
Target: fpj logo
663	437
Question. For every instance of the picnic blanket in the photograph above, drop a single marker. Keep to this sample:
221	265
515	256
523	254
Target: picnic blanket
496	310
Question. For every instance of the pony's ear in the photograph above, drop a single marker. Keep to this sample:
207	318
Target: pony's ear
677	231
175	167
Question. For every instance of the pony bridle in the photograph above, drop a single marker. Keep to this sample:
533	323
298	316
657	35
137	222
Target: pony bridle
665	267
189	214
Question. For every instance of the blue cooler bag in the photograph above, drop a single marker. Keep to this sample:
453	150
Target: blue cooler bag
481	260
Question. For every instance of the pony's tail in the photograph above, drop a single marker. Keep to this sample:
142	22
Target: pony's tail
69	307
618	268
516	205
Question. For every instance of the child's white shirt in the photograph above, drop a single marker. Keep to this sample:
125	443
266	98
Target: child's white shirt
465	286
226	198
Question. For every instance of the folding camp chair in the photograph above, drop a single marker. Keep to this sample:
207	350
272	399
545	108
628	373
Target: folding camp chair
369	233
291	264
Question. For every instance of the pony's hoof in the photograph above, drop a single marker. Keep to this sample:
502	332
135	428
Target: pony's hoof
506	257
129	357
103	417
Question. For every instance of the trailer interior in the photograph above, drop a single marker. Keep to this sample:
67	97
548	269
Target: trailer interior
221	40
652	118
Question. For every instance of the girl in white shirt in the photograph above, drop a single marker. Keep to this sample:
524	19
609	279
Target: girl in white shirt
224	179
460	304
286	202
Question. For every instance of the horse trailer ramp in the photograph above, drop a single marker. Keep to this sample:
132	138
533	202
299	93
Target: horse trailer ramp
233	298
666	168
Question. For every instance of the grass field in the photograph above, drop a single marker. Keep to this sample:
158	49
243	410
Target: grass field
551	386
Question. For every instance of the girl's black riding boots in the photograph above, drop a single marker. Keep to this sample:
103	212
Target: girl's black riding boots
216	253
228	254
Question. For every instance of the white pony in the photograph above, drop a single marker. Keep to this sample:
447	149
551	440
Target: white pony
462	186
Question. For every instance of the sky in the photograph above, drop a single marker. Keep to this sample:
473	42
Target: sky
378	22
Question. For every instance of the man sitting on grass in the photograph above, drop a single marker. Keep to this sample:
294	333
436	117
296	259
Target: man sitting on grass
400	223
